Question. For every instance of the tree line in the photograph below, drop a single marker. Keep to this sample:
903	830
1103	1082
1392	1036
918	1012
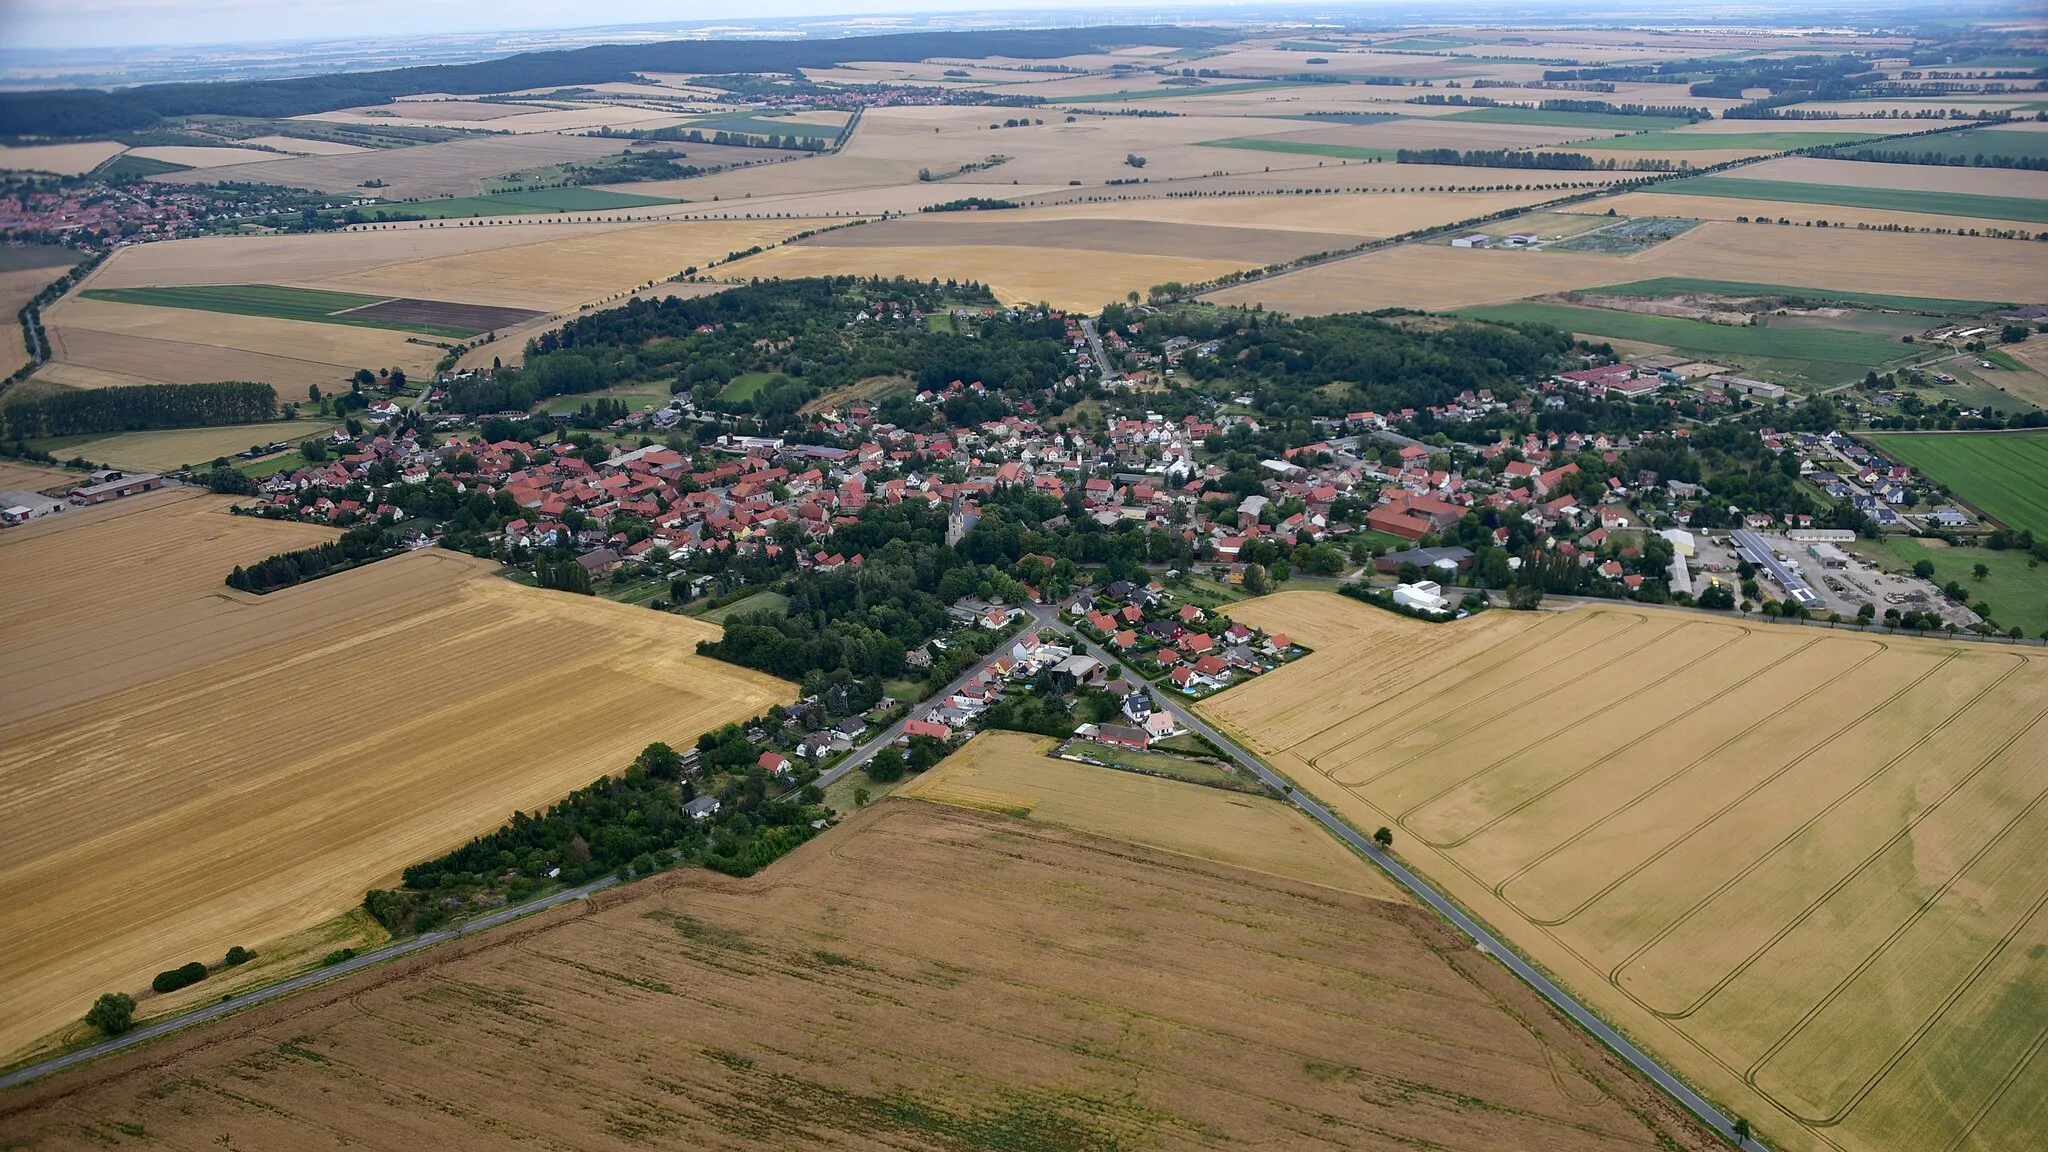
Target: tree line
357	546
82	410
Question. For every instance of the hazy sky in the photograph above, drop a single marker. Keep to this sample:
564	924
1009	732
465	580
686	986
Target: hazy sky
94	23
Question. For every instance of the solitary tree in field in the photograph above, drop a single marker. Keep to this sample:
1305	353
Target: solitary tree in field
113	1013
1980	570
1741	1129
1384	838
860	797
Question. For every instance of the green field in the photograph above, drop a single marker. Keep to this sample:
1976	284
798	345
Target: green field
1746	141
762	601
517	204
1895	199
2003	473
1673	285
756	124
1538	118
130	166
1425	44
1838	356
634	397
2016	589
745	386
1301	148
268	300
1969	143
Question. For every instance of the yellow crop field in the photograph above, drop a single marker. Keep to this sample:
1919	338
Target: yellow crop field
163	449
1429	277
1361	215
174	345
1914	177
18	287
1064	278
1805	867
1729	208
1010	772
203	157
62	159
921	977
188	768
1899	263
562	272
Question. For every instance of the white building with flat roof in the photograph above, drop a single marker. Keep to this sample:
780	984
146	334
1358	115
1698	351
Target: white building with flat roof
1427	595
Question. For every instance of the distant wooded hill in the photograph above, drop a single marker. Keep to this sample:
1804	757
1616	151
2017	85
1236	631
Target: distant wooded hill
75	113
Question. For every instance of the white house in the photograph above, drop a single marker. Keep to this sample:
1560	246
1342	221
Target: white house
1470	240
1424	594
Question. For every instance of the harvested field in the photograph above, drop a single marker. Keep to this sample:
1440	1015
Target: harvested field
173	344
1252	246
161	450
573	269
202	157
189	768
83	358
441	314
34	478
1357	216
305	147
1011	773
1804	867
310	260
433	317
1064	278
921	977
1898	263
1907	177
456	168
1428	276
18	286
1728	208
62	159
2026	208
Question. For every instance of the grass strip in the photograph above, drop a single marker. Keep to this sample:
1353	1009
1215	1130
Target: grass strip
1894	199
1675	285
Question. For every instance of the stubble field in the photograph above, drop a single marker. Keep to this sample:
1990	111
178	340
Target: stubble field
1803	867
1011	773
1903	264
921	977
187	768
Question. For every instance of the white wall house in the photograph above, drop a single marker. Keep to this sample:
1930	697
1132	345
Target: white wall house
1424	594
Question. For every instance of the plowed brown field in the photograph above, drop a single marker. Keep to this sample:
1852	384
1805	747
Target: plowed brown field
921	978
183	768
1803	866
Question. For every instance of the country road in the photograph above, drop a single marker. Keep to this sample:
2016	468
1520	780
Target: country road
1558	997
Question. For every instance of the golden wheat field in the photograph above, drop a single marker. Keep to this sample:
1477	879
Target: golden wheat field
1064	278
1805	867
1011	772
1728	208
1898	263
921	977
188	768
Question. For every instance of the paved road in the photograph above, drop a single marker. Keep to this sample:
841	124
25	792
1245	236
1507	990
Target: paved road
1563	1000
1095	346
1041	616
306	980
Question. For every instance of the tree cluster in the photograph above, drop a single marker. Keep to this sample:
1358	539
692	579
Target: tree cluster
82	410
